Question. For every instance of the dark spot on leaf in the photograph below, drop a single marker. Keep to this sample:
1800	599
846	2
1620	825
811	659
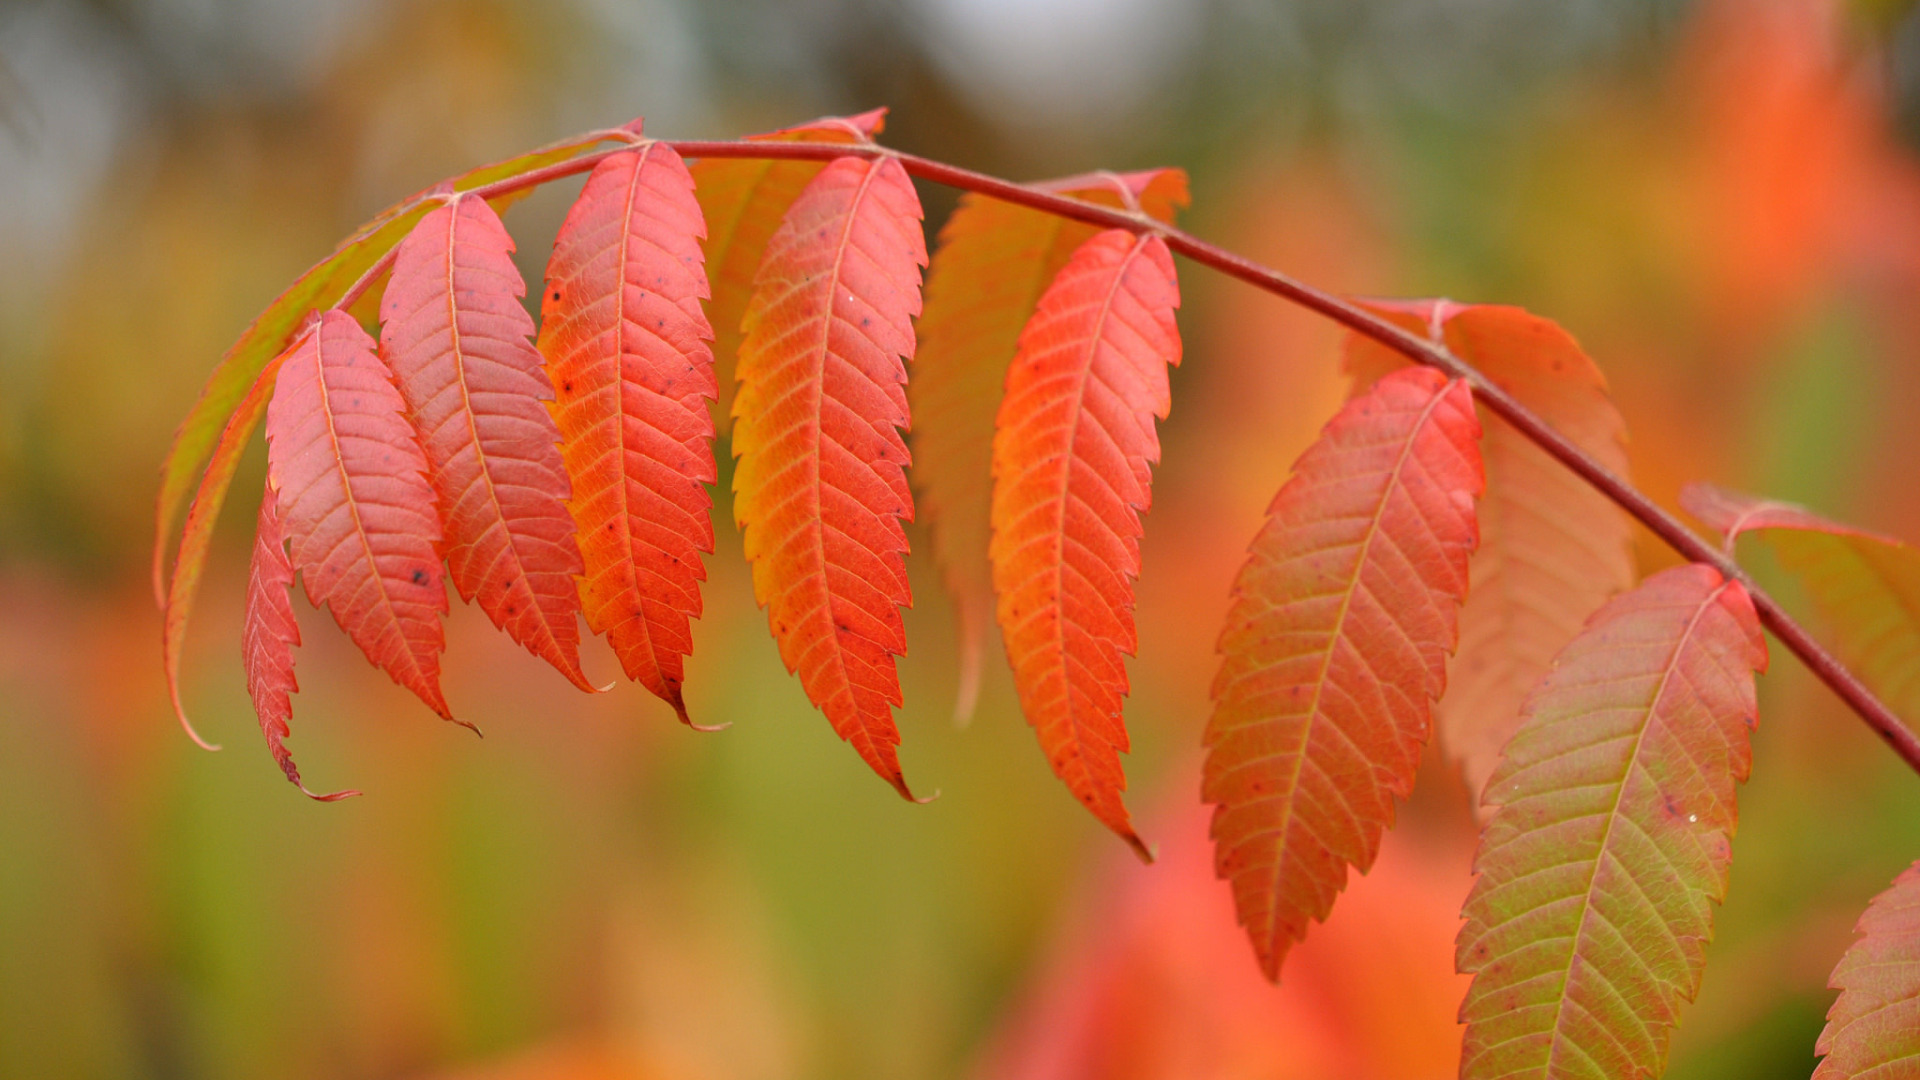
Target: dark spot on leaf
419	577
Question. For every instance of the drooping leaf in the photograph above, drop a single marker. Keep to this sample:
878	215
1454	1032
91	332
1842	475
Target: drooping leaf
267	639
1335	649
1552	548
1873	1029
993	261
243	366
1073	450
1587	927
820	491
197	535
1865	584
456	338
743	202
626	345
360	516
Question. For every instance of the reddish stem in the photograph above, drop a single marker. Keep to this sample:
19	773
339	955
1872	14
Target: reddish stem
1822	663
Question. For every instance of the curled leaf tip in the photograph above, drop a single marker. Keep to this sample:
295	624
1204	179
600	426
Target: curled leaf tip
186	725
680	709
331	797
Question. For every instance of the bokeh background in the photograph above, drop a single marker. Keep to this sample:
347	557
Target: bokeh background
1721	199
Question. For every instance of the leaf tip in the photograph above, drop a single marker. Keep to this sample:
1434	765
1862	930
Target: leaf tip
180	711
1147	852
680	709
334	796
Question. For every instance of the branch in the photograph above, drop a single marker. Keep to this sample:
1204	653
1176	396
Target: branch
1668	528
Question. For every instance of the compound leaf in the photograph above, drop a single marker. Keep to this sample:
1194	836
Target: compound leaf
820	491
744	202
626	346
1873	1029
456	338
1552	547
992	262
1614	811
1073	450
1335	649
359	512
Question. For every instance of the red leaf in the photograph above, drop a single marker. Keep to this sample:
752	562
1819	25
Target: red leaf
1335	649
1873	1029
626	345
993	261
1588	925
359	512
455	335
1552	548
743	202
267	639
1072	457
820	491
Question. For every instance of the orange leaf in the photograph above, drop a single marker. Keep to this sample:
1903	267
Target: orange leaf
1873	1029
993	261
1335	649
626	345
819	492
267	639
743	202
1072	456
1614	813
1552	548
455	335
359	512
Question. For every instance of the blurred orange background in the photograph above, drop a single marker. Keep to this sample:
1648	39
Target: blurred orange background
1720	199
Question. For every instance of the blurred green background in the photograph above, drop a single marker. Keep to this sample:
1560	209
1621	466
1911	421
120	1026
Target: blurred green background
1721	199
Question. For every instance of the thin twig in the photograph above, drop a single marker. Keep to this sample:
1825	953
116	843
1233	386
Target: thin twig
1668	528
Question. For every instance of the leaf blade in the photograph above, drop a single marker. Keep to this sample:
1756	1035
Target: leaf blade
626	348
1552	547
1874	1025
1312	735
993	261
455	336
820	491
744	202
360	515
1073	447
267	638
1627	757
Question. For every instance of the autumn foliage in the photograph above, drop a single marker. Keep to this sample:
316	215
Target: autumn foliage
1451	554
